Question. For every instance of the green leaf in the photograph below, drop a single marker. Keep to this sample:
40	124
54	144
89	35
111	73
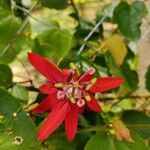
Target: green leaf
24	127
102	141
130	76
19	125
59	141
5	4
54	43
129	18
20	92
137	145
57	4
148	79
5	76
50	19
8	104
138	119
9	25
124	104
6	143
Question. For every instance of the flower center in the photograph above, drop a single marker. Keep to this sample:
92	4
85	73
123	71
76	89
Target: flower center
74	92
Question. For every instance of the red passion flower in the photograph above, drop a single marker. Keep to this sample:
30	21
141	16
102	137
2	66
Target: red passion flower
68	94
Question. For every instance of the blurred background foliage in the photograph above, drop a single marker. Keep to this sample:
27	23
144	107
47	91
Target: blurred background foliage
104	34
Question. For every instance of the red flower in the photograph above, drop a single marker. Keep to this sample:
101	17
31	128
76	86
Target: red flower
68	95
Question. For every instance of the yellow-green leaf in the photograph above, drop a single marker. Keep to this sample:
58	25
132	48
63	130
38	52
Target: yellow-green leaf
115	44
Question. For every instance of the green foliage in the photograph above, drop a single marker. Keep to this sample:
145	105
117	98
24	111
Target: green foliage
53	43
148	79
5	76
130	76
101	141
20	125
57	4
8	104
5	4
139	119
57	29
20	92
57	138
8	27
128	17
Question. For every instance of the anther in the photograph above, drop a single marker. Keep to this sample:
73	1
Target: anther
73	66
72	99
59	85
88	87
87	97
93	81
76	84
31	107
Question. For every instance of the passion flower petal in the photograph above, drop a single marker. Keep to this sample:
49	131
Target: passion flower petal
105	84
87	76
46	68
54	120
48	89
47	103
93	104
71	122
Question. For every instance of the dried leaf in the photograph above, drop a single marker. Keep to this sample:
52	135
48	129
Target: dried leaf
117	48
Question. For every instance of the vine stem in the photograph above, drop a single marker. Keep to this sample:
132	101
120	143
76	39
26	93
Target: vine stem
101	128
14	38
107	96
30	15
91	33
75	9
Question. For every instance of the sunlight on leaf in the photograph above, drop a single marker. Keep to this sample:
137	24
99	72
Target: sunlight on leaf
116	46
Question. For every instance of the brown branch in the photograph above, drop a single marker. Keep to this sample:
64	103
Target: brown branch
75	9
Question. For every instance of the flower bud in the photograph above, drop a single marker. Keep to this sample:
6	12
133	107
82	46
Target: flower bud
121	131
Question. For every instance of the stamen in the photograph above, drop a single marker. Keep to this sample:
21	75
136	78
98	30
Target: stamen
59	85
73	66
72	99
87	97
88	87
31	107
93	81
76	84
